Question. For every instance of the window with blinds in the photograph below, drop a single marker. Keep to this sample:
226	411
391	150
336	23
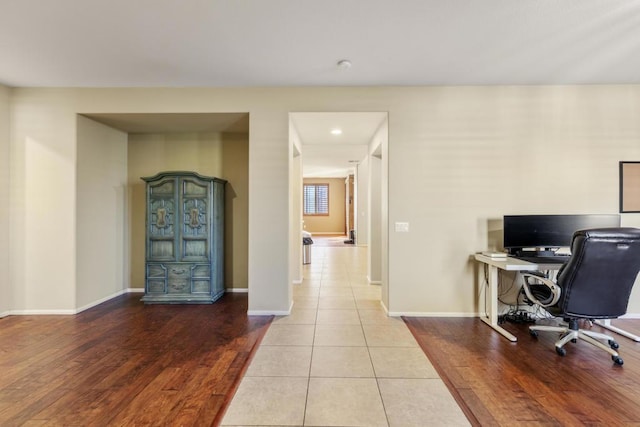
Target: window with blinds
316	199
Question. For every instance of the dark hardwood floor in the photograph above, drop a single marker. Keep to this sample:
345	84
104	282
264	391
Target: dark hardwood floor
499	383
124	363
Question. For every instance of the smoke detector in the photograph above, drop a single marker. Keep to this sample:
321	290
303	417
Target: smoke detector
345	64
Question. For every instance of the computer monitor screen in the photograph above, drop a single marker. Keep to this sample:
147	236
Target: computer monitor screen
550	231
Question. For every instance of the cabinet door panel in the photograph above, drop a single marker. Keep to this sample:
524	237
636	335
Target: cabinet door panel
161	218
156	271
195	250
191	187
201	270
156	286
201	286
164	188
201	278
161	250
195	215
156	279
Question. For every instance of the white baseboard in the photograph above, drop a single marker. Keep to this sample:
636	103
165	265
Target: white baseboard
424	314
268	313
41	312
66	312
100	301
252	312
88	306
429	314
237	290
322	233
630	316
384	307
374	282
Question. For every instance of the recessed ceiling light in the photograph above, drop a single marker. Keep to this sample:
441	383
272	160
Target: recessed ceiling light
336	131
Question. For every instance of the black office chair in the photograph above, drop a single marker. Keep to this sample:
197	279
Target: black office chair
595	283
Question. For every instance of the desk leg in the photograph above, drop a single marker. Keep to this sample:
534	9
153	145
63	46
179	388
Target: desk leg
491	302
606	323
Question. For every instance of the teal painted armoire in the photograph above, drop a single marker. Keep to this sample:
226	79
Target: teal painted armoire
184	238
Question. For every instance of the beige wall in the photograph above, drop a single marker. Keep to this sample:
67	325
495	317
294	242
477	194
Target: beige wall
471	155
42	232
335	222
223	155
101	212
458	158
235	169
5	289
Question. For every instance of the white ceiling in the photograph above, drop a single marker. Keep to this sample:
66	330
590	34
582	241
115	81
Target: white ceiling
168	43
297	43
326	155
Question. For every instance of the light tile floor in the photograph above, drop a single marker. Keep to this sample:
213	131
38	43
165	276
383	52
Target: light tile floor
339	360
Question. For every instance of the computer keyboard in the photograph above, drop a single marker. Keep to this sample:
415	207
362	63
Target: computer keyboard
556	259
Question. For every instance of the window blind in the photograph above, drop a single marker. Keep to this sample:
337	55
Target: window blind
316	199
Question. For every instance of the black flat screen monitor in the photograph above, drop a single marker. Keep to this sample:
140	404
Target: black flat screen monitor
549	231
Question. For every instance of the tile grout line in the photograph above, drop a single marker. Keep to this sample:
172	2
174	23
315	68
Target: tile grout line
322	288
373	367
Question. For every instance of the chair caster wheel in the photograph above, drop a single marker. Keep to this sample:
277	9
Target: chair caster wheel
614	345
617	360
533	333
561	351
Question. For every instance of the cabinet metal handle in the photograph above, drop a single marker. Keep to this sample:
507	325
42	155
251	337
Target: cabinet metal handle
176	271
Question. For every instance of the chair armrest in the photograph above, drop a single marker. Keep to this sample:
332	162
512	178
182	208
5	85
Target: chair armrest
540	289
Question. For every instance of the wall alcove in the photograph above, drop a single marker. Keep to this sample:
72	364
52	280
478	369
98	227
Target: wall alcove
114	151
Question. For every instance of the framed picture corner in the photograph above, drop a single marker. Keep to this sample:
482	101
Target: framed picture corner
630	187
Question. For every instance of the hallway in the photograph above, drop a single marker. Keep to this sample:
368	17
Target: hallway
338	360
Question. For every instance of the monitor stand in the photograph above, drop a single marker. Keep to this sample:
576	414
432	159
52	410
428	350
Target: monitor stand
542	252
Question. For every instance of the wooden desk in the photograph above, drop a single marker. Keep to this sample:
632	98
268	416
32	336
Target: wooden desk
490	317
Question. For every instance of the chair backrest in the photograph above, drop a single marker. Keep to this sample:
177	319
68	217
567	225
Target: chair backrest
597	279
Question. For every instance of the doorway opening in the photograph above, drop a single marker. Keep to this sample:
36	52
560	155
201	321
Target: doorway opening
338	188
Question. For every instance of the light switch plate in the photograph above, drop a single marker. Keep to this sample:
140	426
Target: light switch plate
402	227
